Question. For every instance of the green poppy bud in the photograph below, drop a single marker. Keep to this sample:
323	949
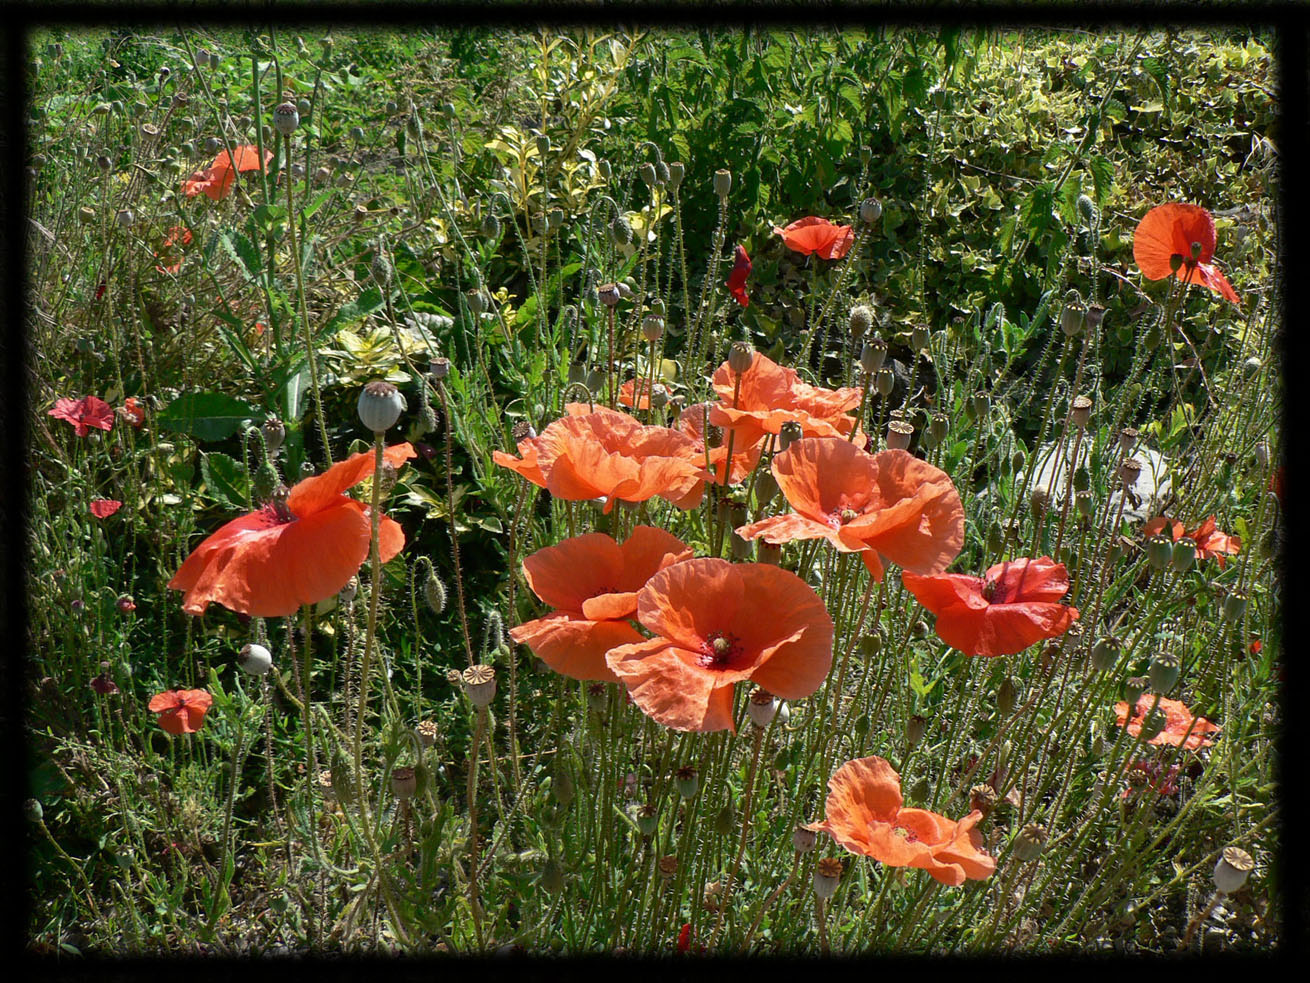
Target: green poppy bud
1153	723
620	231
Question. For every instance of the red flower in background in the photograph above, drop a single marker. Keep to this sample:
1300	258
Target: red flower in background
1181	729
741	269
181	711
84	413
177	235
592	583
103	508
1013	606
266	564
817	235
216	180
1211	543
1178	240
133	412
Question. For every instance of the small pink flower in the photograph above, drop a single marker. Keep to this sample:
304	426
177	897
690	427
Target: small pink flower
84	413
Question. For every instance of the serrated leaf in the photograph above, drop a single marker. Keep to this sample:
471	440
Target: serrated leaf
226	479
241	251
207	416
1102	178
362	306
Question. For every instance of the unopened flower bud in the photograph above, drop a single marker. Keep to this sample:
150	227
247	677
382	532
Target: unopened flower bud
286	117
1164	672
620	230
722	182
1080	411
827	877
899	434
1038	499
434	592
870	210
1232	870
380	406
255	659
861	320
725	820
479	684
125	604
1005	697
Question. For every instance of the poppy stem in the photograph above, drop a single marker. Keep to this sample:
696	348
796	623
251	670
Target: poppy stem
745	830
475	746
450	514
769	902
370	637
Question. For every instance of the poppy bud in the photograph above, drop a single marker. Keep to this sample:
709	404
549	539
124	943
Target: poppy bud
1134	687
1030	842
32	811
870	210
1080	411
1071	320
434	592
827	876
1184	555
740	357
427	731
688	781
1232	870
286	117
1251	367
919	338
722	182
609	294
1175	263
1129	470
1164	672
788	434
477	302
125	604
1235	605
303	106
884	382
899	434
403	782
919	790
1262	454
604	169
861	320
1086	209
725	820
802	839
479	684
1105	653
347	593
357	134
914	728
625	289
982	798
652	327
380	405
768	553
1005	697
1154	722
255	659
490	227
620	231
381	268
873	353
763	707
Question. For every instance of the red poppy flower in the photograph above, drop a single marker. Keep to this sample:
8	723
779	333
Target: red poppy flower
1211	543
771	395
889	503
103	508
716	624
84	413
268	563
592	583
1153	775
103	685
1179	722
216	180
629	390
684	937
1257	646
1178	240
133	412
1014	605
745	456
526	463
181	711
741	269
863	814
817	235
605	453
178	234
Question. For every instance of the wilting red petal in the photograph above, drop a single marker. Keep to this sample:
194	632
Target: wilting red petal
817	235
741	268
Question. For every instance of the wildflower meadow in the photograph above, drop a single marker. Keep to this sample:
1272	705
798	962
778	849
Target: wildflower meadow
600	490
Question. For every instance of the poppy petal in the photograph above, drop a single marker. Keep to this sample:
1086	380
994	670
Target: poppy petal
680	601
313	494
573	646
668	689
566	574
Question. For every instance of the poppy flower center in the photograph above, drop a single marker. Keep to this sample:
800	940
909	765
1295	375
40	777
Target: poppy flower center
994	592
718	650
839	517
905	834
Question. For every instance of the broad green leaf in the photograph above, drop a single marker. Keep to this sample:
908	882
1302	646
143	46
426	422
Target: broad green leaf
207	416
226	479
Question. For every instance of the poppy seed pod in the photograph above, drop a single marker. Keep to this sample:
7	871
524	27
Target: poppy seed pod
667	867
979	404
652	327
1093	316
124	218
722	182
861	320
647	174
899	434
1080	411
1084	503
740	357
677	171
1129	471
32	811
1071	320
725	820
770	553
1105	653
914	729
609	294
762	707
1005	697
884	382
477	302
1183	555
438	369
86	214
919	337
1252	366
255	659
1030	842
427	731
983	798
688	781
1164	672
1232	870
870	210
1134	687
827	877
802	839
937	428
1153	723
555	220
872	354
648	820
479	684
562	788
788	434
1159	552
404	783
380	406
1235	605
286	117
766	486
275	432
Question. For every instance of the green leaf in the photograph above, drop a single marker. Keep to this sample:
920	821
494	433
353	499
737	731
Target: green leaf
241	251
207	416
1102	177
362	306
226	479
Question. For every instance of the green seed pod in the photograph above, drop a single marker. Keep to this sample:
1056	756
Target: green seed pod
1005	697
551	877
33	811
1235	605
380	405
1105	653
1134	687
872	354
919	790
870	210
1184	555
688	782
871	645
604	169
885	382
477	302
788	434
1030	842
979	404
677	171
766	487
543	144
647	174
1085	504
861	724
722	182
919	338
1164	672
995	537
1159	552
1153	723
740	357
648	820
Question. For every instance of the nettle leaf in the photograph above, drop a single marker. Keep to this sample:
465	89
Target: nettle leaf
240	250
208	416
1102	177
226	479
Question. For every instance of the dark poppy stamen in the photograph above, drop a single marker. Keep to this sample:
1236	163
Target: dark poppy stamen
718	650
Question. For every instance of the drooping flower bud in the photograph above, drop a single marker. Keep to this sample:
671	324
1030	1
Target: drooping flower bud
434	592
621	230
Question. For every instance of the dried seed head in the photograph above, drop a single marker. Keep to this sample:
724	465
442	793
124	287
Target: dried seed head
872	354
740	357
255	659
404	783
427	731
983	798
861	320
1164	672
668	866
1030	842
479	684
1092	318
275	432
286	117
827	877
438	368
802	839
1130	468
380	405
609	294
722	182
899	434
1080	411
1232	870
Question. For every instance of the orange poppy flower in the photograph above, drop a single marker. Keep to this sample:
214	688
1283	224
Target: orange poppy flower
178	234
133	412
1179	722
863	814
181	711
266	564
817	235
592	583
1211	543
216	180
771	395
1178	240
629	390
691	421
716	624
526	463
889	503
605	453
1014	605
